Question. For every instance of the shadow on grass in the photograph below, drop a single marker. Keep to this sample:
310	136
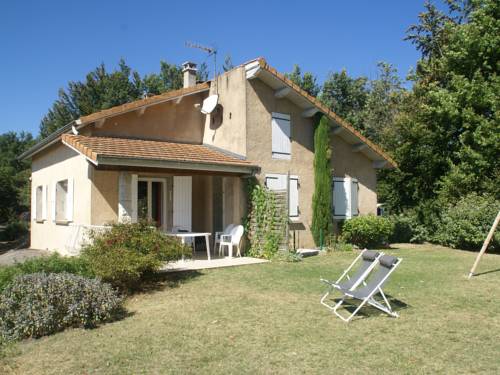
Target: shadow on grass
162	280
368	311
486	272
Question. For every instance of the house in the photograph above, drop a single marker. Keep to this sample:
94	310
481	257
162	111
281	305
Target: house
165	158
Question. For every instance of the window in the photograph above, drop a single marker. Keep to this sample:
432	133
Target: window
40	205
277	182
281	133
150	200
63	201
345	197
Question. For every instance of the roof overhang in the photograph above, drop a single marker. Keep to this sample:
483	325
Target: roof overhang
175	165
285	88
137	153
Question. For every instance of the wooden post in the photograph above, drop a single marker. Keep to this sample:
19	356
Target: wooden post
485	244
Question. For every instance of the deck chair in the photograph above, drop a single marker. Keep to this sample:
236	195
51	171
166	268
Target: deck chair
366	293
368	260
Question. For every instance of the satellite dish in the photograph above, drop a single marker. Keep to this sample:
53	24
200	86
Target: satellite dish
209	104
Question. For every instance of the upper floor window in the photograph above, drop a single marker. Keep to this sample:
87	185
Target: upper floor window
345	197
281	136
63	201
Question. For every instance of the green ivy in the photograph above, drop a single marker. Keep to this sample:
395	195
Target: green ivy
266	222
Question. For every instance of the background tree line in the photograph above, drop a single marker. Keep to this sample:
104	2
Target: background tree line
443	131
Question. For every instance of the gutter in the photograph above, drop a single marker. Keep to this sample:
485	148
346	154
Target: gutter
48	141
168	164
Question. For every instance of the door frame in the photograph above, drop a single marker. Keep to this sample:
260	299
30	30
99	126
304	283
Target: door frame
163	181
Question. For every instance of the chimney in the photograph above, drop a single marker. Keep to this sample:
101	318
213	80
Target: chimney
189	70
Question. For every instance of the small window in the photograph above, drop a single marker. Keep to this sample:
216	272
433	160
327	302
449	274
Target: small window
281	136
40	208
277	182
63	201
345	197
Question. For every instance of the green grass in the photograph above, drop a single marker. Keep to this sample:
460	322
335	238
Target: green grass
267	319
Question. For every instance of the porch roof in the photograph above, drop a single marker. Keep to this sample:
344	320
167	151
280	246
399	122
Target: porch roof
156	154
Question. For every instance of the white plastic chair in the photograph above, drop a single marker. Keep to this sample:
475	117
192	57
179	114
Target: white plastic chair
217	236
232	239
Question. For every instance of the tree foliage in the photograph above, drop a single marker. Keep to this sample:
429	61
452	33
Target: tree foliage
14	173
322	197
306	81
102	89
448	136
346	96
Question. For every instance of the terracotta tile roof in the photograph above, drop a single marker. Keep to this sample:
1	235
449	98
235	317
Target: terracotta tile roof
332	115
96	116
96	147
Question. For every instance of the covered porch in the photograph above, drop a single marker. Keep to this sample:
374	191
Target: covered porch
193	190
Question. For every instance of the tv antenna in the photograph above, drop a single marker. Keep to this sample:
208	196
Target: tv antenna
211	51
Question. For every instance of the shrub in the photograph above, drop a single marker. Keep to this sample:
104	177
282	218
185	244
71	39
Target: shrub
465	224
40	304
407	228
54	263
367	231
336	243
14	230
126	252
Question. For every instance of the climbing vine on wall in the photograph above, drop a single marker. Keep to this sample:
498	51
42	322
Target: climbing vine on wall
266	222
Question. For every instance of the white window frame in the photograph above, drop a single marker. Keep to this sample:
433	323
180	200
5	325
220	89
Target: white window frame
279	176
277	132
149	180
40	215
68	214
351	187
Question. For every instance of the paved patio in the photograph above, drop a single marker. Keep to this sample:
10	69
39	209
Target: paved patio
200	262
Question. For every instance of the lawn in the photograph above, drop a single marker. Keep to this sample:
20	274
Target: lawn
267	319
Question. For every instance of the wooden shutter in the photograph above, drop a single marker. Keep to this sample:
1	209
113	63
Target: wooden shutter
34	202
294	196
340	199
281	133
354	197
54	198
69	200
45	198
182	202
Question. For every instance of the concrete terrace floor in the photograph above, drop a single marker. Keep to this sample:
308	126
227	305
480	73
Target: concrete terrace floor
200	262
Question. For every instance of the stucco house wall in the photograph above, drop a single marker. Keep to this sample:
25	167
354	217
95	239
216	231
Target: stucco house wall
48	167
176	120
226	128
346	163
261	102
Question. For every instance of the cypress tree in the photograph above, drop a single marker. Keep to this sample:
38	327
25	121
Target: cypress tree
322	197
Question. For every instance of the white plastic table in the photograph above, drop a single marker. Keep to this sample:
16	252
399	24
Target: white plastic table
184	235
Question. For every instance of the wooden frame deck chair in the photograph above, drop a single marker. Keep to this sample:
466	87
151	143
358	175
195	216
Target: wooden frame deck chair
366	293
368	259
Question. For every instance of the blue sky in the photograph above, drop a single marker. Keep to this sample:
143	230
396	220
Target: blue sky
45	44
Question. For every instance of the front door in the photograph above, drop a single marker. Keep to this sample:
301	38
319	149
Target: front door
151	201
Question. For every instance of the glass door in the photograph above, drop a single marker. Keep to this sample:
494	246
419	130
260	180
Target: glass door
151	200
